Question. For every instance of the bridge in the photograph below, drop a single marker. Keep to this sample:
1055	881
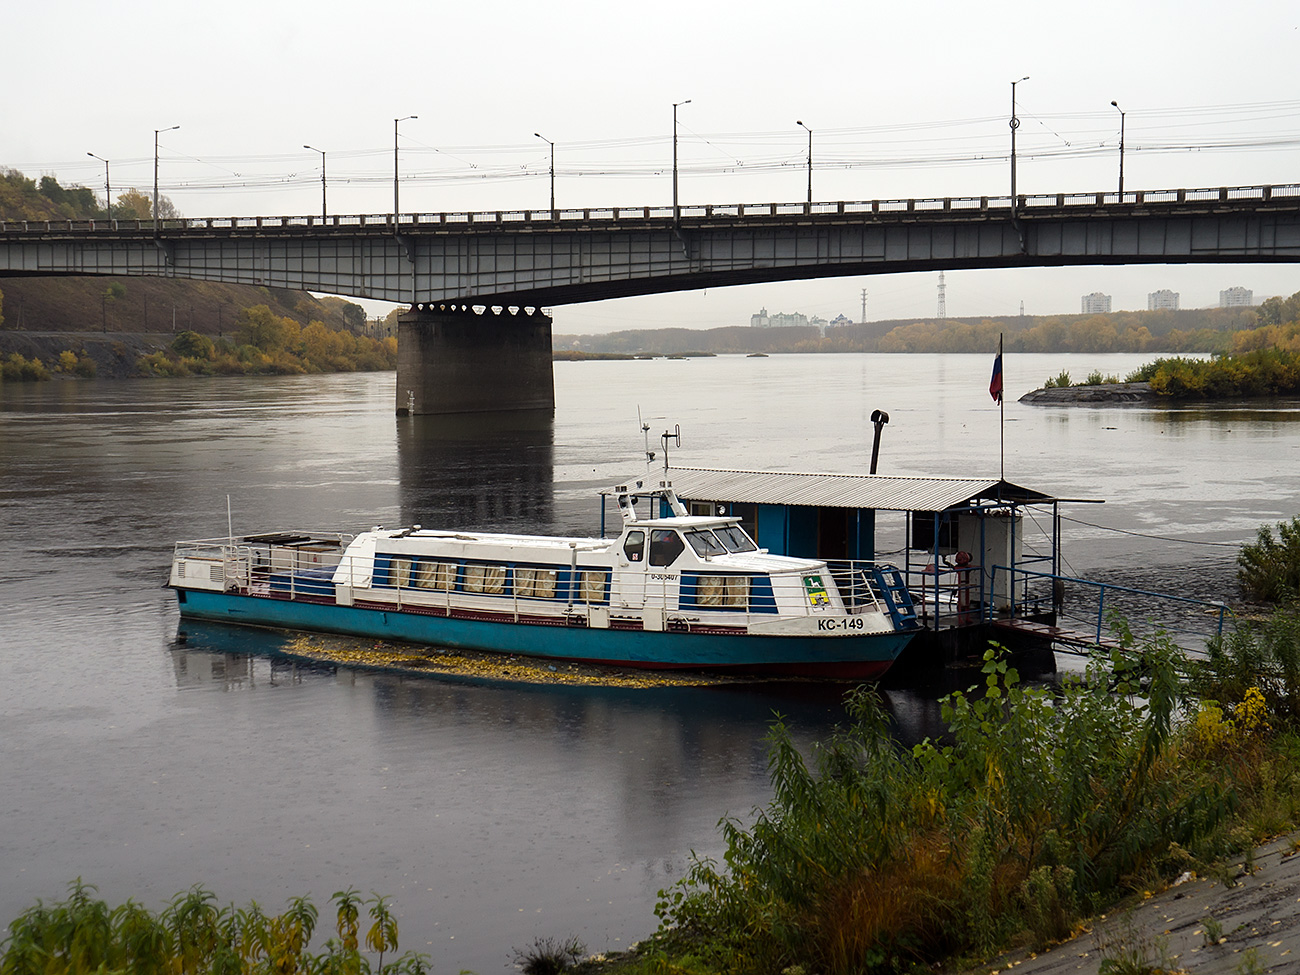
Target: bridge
476	338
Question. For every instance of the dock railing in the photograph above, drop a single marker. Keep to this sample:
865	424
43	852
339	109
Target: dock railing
1190	622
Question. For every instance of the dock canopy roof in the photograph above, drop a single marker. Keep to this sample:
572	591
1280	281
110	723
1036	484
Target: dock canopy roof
879	491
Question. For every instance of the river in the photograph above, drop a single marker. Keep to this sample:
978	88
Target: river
492	813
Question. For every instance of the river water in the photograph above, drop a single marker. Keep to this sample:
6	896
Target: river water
492	813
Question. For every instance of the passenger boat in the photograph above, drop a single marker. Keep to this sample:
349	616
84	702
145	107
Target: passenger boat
672	591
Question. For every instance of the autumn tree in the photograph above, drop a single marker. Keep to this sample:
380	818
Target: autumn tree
261	328
134	205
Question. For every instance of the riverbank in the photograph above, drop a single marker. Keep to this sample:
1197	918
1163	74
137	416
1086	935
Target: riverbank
1245	919
114	354
1100	393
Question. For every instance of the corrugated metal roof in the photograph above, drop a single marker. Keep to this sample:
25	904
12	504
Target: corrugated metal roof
879	491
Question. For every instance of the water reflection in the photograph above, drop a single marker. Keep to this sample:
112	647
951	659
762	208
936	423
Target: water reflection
480	470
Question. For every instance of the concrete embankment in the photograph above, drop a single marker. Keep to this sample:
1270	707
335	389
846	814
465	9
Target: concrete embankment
1102	393
1245	920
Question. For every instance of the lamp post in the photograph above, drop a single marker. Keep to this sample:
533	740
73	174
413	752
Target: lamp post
322	179
1121	150
676	209
552	145
1015	124
396	209
108	193
797	122
170	128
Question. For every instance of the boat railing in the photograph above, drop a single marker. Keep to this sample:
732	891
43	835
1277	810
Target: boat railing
304	566
853	578
1086	610
947	595
309	568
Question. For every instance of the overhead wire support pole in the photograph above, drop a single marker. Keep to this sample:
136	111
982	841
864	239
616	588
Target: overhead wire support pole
552	145
677	212
322	179
799	123
170	128
396	207
1015	124
1121	150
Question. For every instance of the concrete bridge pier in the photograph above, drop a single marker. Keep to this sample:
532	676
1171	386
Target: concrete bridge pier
453	359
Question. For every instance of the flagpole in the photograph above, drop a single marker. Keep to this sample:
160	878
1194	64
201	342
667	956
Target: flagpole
1002	417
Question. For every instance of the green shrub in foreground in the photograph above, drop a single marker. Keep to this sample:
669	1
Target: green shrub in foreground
1041	804
1269	569
81	935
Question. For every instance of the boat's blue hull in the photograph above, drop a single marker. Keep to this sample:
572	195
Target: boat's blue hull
863	657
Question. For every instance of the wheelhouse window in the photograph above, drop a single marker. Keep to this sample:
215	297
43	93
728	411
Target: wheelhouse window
704	543
735	539
634	545
535	583
665	546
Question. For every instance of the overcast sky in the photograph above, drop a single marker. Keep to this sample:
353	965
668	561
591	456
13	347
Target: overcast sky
904	99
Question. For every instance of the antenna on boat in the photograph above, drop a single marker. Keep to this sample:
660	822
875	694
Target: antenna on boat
230	524
645	433
675	437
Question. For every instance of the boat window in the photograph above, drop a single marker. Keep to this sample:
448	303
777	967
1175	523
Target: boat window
735	539
665	546
436	575
634	546
732	591
485	578
704	543
593	587
535	583
399	573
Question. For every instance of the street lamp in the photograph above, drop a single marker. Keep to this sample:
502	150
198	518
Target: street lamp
170	128
797	122
396	209
322	178
1121	150
108	193
1015	124
676	210
552	145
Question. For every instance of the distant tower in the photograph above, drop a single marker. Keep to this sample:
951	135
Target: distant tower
1022	307
864	306
943	303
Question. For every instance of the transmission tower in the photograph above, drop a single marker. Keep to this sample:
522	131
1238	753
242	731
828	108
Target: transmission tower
864	306
943	304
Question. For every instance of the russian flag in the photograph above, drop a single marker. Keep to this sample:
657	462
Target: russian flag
995	384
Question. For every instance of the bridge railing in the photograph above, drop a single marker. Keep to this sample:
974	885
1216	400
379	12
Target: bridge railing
1035	202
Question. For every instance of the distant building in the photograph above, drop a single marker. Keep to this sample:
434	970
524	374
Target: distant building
1096	304
839	321
778	320
1162	300
1236	297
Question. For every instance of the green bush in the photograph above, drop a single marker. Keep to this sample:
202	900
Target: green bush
1261	372
1038	805
1269	569
19	369
1061	381
81	935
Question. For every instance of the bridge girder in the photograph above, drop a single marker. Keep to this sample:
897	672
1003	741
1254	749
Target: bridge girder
553	261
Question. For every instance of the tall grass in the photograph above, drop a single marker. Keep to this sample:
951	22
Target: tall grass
81	935
1040	805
